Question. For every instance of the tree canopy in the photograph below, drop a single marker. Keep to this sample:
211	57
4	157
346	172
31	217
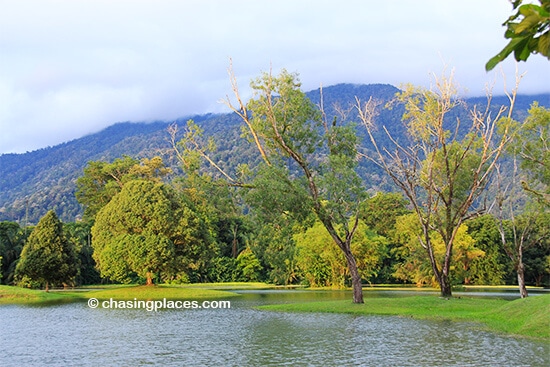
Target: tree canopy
532	146
147	232
48	257
313	162
102	180
442	170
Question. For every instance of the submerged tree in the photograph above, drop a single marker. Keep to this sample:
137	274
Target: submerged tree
314	161
445	167
48	257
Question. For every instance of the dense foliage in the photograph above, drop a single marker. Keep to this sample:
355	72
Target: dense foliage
47	257
147	232
154	216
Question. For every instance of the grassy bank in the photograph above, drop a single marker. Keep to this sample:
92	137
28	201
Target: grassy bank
230	285
528	317
9	294
185	291
157	292
18	295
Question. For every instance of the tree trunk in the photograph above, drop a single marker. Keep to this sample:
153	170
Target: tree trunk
521	280
355	277
445	286
442	276
47	287
445	281
149	279
234	248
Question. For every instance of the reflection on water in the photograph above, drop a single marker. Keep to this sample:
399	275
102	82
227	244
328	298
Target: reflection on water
73	334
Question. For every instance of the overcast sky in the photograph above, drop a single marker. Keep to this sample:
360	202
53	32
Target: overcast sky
70	68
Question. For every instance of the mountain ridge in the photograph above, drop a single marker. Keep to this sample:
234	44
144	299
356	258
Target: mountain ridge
34	182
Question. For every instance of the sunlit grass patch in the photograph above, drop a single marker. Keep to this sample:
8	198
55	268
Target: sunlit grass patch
157	292
527	317
228	285
11	294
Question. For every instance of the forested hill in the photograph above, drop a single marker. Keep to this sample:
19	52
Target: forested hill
35	182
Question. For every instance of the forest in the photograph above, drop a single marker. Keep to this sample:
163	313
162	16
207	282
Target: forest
413	187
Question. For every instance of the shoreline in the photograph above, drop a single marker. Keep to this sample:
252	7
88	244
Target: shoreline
529	317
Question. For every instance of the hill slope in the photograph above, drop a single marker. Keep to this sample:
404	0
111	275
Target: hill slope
35	182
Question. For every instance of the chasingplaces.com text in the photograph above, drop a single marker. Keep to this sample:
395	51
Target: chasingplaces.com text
155	305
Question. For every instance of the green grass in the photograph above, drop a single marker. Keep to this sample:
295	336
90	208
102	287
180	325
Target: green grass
9	294
156	292
229	285
184	291
18	295
528	317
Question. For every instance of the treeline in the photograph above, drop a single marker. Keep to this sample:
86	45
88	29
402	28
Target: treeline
229	247
470	204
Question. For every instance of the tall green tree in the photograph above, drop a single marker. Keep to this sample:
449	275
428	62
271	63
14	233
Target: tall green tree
531	145
12	239
380	214
291	136
80	234
490	269
523	190
442	170
146	231
215	199
528	30
102	180
324	265
48	257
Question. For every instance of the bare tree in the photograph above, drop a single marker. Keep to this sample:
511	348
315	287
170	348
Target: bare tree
446	166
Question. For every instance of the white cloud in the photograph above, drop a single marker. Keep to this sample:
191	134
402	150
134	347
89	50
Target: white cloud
72	67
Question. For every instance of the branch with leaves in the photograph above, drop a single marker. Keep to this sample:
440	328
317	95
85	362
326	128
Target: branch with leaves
190	149
528	30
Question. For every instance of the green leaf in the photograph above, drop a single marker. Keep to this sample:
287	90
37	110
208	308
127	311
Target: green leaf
528	9
529	23
544	44
507	50
522	51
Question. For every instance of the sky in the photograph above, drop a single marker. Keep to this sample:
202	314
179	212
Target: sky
70	68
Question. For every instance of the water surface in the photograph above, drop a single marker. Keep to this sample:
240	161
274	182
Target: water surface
72	334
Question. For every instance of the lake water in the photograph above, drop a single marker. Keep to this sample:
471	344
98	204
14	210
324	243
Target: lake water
72	334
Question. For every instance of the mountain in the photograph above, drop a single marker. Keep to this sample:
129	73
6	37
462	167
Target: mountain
35	182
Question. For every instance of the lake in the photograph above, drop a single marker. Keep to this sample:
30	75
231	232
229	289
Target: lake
70	334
